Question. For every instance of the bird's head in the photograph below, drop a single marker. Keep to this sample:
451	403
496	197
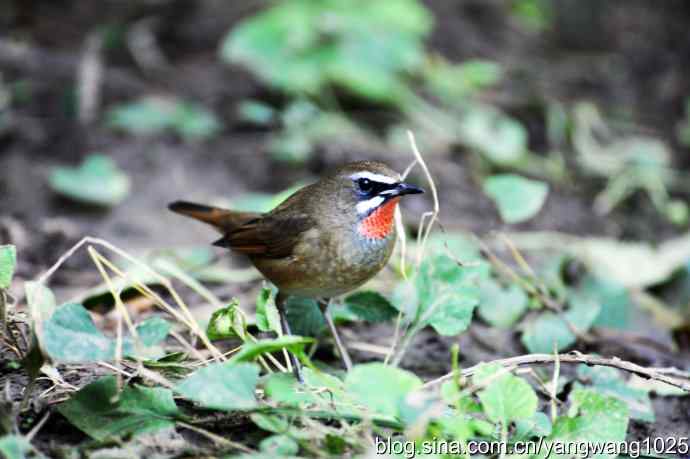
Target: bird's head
373	190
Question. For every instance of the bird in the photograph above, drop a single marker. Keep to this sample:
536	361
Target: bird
325	240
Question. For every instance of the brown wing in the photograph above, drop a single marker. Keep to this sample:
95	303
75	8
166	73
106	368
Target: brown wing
271	235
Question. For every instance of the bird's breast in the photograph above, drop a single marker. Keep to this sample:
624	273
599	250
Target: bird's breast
329	262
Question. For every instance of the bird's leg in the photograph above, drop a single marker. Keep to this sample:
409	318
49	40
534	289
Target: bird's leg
342	350
280	305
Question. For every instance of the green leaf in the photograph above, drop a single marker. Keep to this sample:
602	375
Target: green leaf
153	115
97	181
16	447
222	386
270	422
615	300
8	262
227	322
283	388
452	395
383	397
370	306
442	295
100	412
70	336
453	311
251	350
583	311
518	199
453	83
501	307
151	332
539	425
366	48
279	445
609	381
267	316
305	317
194	123
507	398
540	334
592	417
500	138
146	116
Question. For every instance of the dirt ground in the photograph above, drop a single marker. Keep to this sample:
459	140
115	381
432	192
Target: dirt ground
634	63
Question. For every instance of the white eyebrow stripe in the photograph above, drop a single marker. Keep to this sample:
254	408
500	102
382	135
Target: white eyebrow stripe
374	177
364	207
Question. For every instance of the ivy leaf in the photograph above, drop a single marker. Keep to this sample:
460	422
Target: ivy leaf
384	397
453	311
251	350
592	417
501	307
279	446
222	386
540	334
369	306
305	317
609	381
8	262
539	425
615	300
518	199
442	295
267	316
270	422
97	181
283	388
70	336
100	412
507	397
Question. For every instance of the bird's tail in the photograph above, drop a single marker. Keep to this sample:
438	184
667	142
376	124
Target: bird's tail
224	220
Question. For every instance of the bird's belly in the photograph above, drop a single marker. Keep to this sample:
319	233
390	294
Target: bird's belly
321	269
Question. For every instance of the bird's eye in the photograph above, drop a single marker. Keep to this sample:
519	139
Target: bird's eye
365	185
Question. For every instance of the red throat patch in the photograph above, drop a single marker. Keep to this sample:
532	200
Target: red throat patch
379	223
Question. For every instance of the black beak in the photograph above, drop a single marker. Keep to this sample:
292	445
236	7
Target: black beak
405	188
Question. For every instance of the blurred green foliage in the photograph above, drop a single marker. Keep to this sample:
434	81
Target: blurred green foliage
533	14
96	181
153	115
8	263
302	46
518	199
629	163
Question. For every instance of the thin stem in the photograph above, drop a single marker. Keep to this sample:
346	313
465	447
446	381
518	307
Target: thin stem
577	357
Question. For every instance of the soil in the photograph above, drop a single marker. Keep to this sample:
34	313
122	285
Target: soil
632	61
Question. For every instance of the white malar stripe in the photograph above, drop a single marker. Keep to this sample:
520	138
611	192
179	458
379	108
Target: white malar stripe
364	207
374	177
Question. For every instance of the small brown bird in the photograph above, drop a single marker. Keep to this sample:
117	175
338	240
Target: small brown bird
325	240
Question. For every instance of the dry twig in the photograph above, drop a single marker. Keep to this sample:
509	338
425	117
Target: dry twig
577	357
